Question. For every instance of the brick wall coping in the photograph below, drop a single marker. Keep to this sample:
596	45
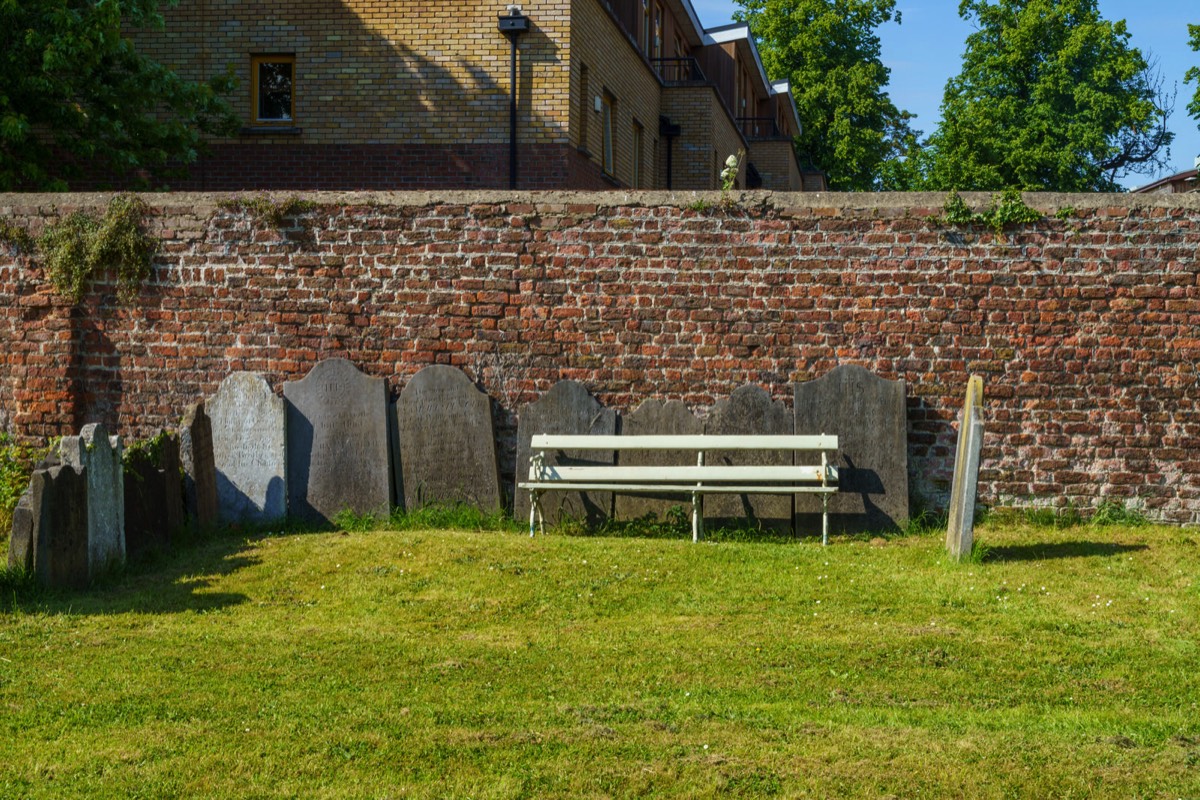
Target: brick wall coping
782	203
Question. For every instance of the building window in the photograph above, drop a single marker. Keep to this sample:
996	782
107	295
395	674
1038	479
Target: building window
273	89
645	26
656	51
607	114
637	156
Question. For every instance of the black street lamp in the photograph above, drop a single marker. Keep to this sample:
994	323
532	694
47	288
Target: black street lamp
512	24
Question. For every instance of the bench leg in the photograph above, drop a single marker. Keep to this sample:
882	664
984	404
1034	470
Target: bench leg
824	519
697	518
533	510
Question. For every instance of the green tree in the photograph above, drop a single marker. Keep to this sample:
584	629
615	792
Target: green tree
1051	97
829	52
75	96
1193	74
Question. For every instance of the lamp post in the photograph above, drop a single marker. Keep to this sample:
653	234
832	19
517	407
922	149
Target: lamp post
512	24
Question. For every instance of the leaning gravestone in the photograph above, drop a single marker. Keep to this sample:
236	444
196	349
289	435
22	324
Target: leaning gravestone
20	544
249	458
749	411
447	444
566	409
199	470
960	530
153	495
337	442
58	501
655	418
868	415
98	456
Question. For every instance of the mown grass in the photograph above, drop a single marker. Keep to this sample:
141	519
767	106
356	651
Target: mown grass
419	663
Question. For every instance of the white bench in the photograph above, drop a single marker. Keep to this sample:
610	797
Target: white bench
696	479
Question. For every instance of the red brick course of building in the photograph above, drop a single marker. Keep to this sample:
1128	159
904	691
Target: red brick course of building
1085	329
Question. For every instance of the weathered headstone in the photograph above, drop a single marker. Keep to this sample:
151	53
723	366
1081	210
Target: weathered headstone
567	409
247	423
869	416
98	457
749	411
337	442
447	443
20	544
960	532
153	495
199	469
58	499
655	418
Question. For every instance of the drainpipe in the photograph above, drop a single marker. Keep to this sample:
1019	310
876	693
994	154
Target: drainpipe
668	132
512	24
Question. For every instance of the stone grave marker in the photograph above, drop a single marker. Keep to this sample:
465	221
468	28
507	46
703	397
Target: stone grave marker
153	495
98	456
960	530
249	457
199	467
58	502
869	416
20	544
337	442
655	418
749	411
566	409
447	443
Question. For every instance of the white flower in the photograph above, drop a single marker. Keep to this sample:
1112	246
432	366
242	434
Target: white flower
731	162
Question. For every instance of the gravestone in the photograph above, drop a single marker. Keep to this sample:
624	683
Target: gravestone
98	456
153	495
868	415
58	502
199	469
567	409
749	411
447	444
960	530
655	418
337	442
20	544
249	458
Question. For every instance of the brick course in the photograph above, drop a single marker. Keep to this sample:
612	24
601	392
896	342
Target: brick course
1085	330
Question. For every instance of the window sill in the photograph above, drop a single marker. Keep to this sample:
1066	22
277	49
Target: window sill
270	130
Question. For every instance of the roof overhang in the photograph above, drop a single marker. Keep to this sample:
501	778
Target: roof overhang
785	88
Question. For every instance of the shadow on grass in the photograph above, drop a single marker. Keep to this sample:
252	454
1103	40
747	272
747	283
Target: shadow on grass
1051	550
162	583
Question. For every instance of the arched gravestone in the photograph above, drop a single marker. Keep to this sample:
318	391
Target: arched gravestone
60	527
249	456
655	418
199	471
337	442
868	415
98	456
749	411
566	409
447	444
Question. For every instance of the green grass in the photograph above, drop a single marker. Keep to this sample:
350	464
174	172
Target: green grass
418	663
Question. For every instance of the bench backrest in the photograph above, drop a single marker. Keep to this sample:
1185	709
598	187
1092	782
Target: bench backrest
549	441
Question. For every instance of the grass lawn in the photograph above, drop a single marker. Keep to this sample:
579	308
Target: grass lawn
464	664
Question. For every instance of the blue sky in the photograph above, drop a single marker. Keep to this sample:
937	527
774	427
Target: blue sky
925	50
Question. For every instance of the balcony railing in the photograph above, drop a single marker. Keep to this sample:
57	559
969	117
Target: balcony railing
679	70
759	127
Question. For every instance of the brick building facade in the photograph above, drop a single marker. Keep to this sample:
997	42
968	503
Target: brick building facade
361	94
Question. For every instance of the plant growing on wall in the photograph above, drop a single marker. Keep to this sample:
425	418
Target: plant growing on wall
1006	209
80	245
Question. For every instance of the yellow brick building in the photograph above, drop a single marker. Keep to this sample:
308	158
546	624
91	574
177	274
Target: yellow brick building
367	94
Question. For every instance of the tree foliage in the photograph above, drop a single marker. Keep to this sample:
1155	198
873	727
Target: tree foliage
75	96
829	52
1051	97
1193	74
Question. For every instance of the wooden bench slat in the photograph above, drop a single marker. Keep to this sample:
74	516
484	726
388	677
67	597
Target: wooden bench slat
682	474
548	441
682	488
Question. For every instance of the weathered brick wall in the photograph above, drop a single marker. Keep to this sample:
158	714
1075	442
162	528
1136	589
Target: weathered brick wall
1084	329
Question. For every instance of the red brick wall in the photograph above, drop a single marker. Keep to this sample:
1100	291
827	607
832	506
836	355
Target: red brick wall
1084	329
